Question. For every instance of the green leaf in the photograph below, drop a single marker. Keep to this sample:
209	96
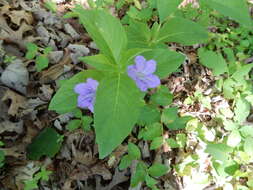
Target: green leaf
134	151
181	139
100	62
162	97
32	50
156	143
148	115
150	181
172	120
65	100
117	95
47	50
236	9
157	170
52	6
166	8
41	62
219	151
138	34
213	61
167	61
177	30
248	146
31	184
242	72
234	138
125	162
173	143
43	174
242	110
2	158
107	31
73	124
86	122
139	175
247	131
152	131
47	143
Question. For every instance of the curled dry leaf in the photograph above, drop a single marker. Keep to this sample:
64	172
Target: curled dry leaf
17	101
57	70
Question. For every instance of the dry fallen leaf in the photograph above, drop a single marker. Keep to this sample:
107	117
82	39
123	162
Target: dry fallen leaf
17	101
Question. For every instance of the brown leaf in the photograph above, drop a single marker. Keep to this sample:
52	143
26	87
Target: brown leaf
55	71
17	101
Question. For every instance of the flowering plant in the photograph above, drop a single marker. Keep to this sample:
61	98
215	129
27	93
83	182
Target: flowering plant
122	72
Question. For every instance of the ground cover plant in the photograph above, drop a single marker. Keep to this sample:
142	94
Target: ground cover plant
126	94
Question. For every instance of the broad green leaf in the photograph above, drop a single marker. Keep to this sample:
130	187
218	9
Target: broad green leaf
173	143
139	175
138	34
134	151
117	109
100	62
152	131
182	31
166	8
234	138
47	143
213	61
156	143
242	72
73	124
231	168
148	115
150	182
167	61
65	100
86	122
172	120
247	131
32	50
125	162
219	151
107	31
248	146
242	110
181	139
41	62
235	9
157	170
162	97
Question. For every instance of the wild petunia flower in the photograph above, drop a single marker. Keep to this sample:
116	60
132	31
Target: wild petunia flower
87	94
142	73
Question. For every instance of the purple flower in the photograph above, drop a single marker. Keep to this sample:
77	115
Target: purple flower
142	73
87	94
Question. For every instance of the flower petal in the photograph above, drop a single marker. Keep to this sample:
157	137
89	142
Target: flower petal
141	85
83	102
139	63
81	88
150	67
152	81
93	84
131	72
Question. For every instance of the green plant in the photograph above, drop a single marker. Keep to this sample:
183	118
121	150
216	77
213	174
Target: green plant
42	175
40	55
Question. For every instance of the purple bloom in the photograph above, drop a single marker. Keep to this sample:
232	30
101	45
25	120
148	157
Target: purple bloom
87	94
142	73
